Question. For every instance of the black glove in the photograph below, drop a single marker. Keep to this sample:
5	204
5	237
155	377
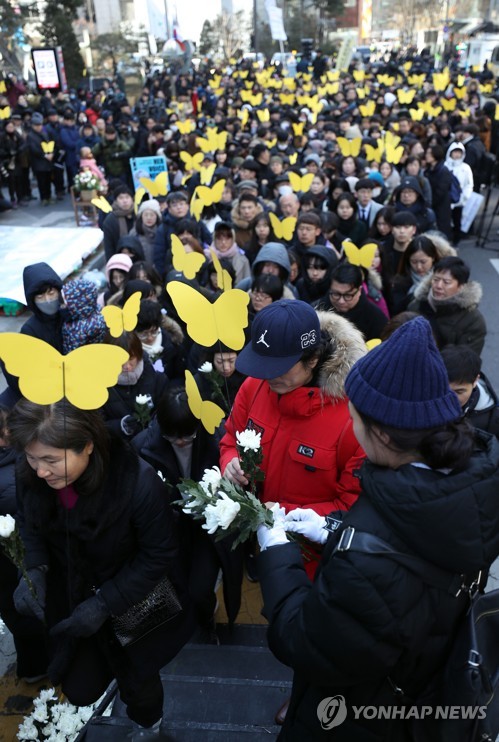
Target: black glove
86	619
130	425
26	604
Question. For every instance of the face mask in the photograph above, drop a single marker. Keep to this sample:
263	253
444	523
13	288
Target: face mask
48	307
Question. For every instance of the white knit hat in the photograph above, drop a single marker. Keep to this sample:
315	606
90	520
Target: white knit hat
150	204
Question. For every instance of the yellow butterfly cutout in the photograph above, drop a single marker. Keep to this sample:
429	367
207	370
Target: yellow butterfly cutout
293	158
441	80
496	117
393	154
448	105
83	376
210	414
367	109
245	94
300	182
5	113
407	66
243	116
283	230
158	186
488	88
271	142
361	93
289	83
256	99
207	173
463	112
206	145
385	80
48	147
363	256
287	99
263	116
102	204
307	87
307	77
332	88
219	139
349	147
192	162
209	196
460	93
223	320
390	139
243	74
333	75
416	114
137	199
196	207
3	87
123	320
416	80
187	263
373	154
406	96
298	129
185	127
215	82
224	279
461	79
373	343
359	75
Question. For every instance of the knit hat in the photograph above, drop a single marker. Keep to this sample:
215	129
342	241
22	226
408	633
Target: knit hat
36	119
410	182
119	262
403	382
150	204
279	335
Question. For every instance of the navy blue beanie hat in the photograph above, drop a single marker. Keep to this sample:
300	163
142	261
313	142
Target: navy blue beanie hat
403	382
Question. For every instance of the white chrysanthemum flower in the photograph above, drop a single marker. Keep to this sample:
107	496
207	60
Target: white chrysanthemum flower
27	729
249	440
211	480
206	368
7	526
143	398
222	514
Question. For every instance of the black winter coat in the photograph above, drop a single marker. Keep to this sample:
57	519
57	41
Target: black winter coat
367	617
440	181
158	452
122	540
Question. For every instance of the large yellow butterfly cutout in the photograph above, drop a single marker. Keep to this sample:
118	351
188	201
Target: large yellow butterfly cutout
359	75
224	279
243	116
210	196
206	174
298	129
406	96
187	263
293	158
349	147
460	93
223	320
192	162
137	199
185	127
287	99
416	80
5	112
196	207
300	182
263	115
283	230
102	204
367	109
123	320
158	186
48	147
271	142
83	376
416	115
385	80
363	256
374	154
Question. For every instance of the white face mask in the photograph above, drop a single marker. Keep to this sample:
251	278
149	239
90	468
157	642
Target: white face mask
48	307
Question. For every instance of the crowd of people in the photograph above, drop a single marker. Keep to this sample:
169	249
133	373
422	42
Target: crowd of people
340	213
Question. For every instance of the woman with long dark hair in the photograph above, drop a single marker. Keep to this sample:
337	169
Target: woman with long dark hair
99	539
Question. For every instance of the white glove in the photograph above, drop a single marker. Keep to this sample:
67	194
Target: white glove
271	536
308	523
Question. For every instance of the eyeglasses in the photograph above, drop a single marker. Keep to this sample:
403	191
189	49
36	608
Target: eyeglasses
184	438
148	334
348	296
261	296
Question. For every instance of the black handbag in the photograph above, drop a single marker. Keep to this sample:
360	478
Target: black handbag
157	608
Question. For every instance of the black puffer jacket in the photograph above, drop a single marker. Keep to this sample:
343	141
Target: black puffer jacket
42	326
367	617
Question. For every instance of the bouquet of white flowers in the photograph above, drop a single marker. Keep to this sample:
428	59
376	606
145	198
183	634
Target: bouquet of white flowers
86	181
54	721
225	507
217	383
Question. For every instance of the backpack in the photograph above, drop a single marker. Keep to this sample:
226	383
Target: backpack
455	189
469	677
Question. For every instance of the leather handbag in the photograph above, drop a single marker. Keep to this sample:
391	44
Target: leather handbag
157	608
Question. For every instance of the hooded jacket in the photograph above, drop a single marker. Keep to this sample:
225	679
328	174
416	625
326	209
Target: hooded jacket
367	618
425	216
271	252
462	171
309	450
308	290
42	326
455	320
370	320
482	408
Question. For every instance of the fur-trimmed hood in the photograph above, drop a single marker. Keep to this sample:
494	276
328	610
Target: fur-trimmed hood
173	329
347	347
468	297
441	243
